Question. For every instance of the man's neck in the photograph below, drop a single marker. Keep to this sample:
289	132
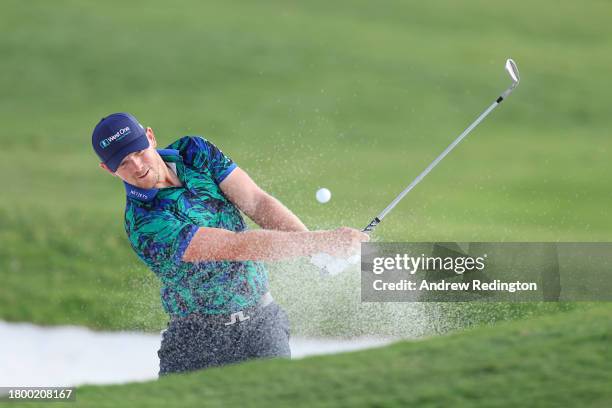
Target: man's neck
167	177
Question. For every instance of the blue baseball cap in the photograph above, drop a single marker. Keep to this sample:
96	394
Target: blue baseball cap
116	136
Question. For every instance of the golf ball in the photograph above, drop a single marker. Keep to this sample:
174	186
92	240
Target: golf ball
323	195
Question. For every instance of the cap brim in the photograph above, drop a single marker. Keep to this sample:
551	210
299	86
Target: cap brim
139	144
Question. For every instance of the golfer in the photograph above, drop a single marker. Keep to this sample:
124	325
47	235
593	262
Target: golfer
183	219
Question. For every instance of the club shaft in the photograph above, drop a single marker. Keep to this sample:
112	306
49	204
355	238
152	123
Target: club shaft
434	163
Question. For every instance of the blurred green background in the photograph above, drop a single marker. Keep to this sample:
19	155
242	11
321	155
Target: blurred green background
354	96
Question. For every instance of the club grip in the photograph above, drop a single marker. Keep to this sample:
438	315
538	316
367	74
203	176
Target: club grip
371	225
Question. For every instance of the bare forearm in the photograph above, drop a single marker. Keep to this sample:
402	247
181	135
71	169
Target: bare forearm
212	244
271	214
276	245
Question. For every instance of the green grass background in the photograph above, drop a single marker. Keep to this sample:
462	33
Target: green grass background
355	96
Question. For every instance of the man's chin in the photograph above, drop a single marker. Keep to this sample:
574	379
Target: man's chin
145	183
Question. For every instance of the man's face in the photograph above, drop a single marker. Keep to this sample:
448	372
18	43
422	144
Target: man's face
140	168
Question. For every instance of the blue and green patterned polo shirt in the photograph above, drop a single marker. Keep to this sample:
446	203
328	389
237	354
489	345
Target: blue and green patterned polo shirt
161	222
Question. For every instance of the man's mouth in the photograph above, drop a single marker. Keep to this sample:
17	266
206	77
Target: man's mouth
143	176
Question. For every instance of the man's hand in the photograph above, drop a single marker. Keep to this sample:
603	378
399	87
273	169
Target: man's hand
342	251
344	242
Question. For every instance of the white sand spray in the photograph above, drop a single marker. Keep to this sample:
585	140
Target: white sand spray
323	305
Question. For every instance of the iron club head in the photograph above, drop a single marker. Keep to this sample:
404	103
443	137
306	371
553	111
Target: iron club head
513	71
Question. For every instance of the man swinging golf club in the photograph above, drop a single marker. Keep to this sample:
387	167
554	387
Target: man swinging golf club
183	219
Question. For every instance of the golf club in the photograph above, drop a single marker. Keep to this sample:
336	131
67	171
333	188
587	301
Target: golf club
512	70
331	265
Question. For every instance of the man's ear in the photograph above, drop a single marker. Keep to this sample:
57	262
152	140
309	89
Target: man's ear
105	167
151	137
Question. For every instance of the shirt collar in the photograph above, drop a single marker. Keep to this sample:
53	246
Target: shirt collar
148	194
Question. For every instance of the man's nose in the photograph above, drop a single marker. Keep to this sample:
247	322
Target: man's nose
136	164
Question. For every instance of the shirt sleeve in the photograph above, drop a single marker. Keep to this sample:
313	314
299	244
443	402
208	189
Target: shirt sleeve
160	238
202	152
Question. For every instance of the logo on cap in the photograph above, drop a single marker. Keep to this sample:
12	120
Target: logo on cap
121	133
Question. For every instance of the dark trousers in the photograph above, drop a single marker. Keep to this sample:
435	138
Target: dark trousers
201	341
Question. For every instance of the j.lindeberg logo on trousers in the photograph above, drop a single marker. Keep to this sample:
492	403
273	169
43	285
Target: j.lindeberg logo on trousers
238	316
121	133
